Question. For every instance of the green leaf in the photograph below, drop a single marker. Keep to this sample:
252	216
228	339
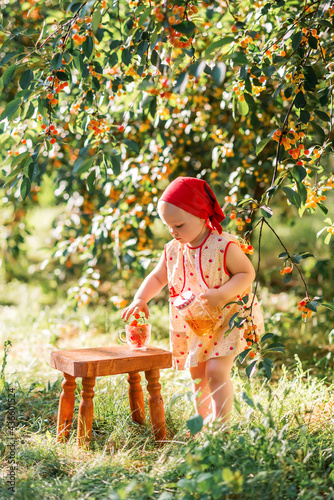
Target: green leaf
248	400
266	212
261	145
266	336
271	191
328	238
242	356
296	258
88	46
328	306
195	424
276	349
296	40
250	370
300	101
197	68
323	208
231	322
186	28
287	278
96	19
181	83
312	305
25	187
134	146
126	56
302	191
26	78
304	116
62	76
276	344
267	365
8	57
299	173
318	129
10	109
8	75
56	61
313	42
90	180
249	99
322	115
219	43
143	18
239	58
155	59
142	48
310	77
218	73
116	163
243	107
292	196
103	169
283	255
153	107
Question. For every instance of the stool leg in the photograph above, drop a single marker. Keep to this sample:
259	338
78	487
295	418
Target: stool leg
66	405
86	408
156	404
136	398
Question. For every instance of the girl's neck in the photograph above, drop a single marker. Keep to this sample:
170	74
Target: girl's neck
200	238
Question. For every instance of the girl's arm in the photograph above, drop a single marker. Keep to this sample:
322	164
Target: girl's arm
242	276
150	287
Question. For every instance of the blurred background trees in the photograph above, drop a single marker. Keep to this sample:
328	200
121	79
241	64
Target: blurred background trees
104	102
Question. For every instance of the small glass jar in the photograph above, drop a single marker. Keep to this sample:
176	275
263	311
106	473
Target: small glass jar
202	319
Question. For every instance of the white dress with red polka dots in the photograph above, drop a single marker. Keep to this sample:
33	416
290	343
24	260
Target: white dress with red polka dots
198	269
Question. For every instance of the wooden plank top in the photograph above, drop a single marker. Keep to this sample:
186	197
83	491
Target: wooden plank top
100	361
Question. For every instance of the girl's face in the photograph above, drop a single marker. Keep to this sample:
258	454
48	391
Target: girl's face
183	226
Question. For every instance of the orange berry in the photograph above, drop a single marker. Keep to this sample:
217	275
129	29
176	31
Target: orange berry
252	354
53	140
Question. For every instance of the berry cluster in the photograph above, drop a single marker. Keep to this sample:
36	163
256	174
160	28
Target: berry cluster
140	320
314	198
250	335
286	270
247	248
302	306
49	131
99	126
239	221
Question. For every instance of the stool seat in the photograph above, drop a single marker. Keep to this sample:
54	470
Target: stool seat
102	361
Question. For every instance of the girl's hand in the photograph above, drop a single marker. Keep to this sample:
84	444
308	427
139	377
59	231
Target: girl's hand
211	297
137	306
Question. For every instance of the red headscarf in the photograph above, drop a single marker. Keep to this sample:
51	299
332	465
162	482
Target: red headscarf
196	197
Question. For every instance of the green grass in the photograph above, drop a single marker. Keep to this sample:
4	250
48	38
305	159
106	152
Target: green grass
280	443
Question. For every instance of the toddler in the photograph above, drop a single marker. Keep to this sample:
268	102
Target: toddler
203	259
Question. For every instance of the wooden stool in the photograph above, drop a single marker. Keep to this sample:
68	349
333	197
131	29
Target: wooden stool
101	361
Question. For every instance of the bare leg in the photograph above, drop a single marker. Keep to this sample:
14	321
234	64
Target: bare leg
201	387
218	375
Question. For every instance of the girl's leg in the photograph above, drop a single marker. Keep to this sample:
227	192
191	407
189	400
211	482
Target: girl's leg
221	388
203	399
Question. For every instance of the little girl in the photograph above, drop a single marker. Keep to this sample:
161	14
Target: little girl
209	262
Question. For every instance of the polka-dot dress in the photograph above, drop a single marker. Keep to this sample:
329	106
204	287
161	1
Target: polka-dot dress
198	269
